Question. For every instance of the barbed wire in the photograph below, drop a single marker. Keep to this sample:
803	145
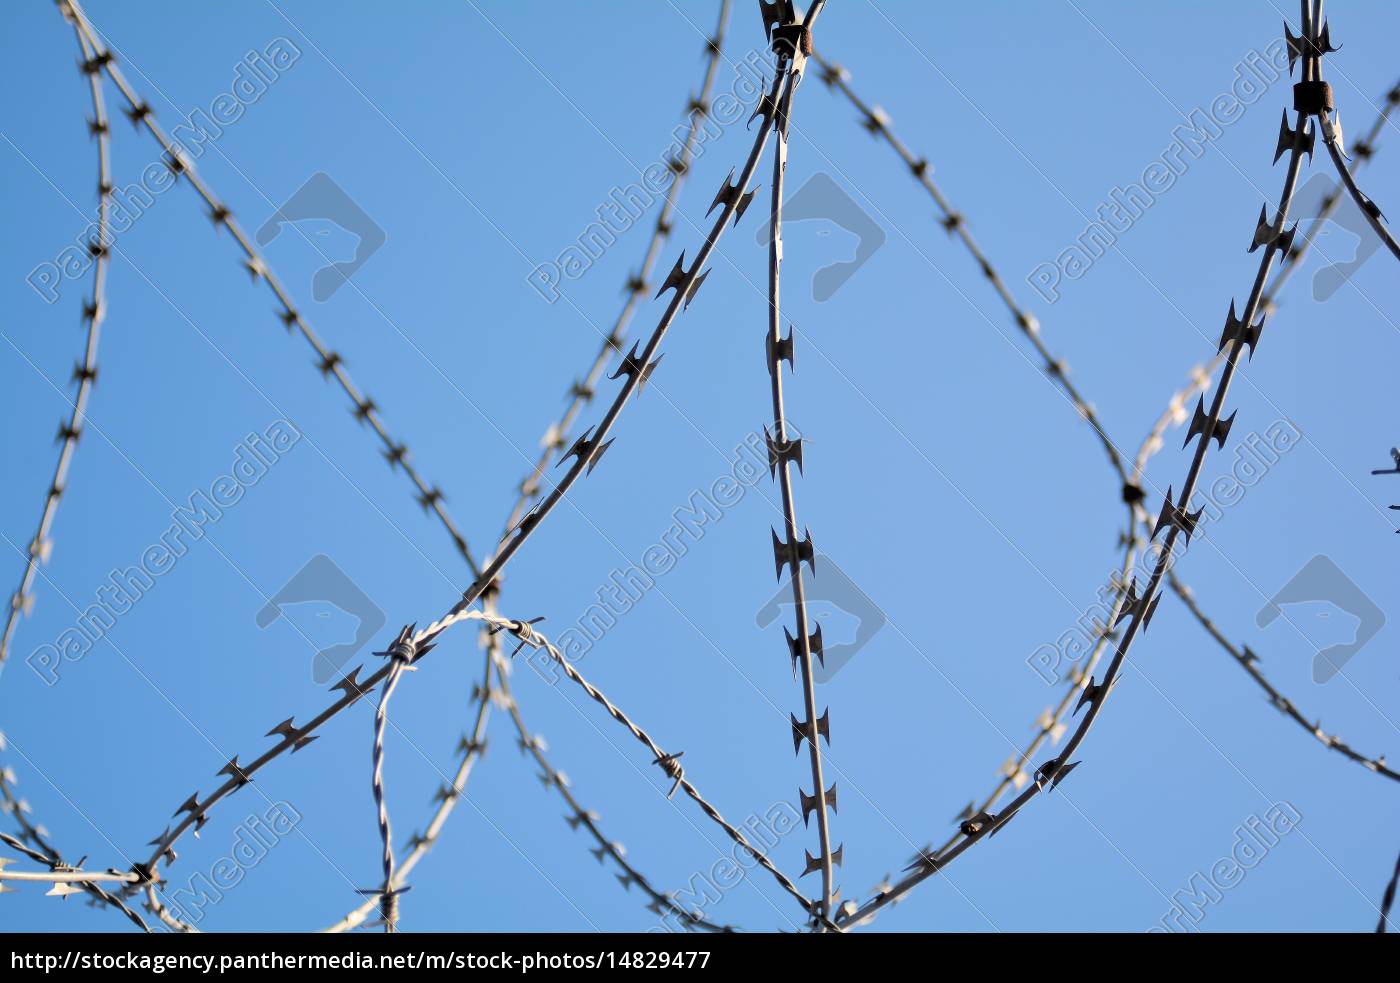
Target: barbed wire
1049	725
401	655
588	449
66	879
470	749
586	452
581	394
668	762
1243	655
581	818
331	363
1175	518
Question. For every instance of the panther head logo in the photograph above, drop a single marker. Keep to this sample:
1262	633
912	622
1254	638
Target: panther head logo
1309	203
320	580
821	198
1321	581
321	198
849	619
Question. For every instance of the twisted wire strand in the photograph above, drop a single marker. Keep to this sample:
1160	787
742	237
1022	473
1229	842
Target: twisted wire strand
584	389
470	749
669	763
790	37
63	877
878	123
332	364
1175	519
661	903
41	546
329	362
585	452
388	896
581	394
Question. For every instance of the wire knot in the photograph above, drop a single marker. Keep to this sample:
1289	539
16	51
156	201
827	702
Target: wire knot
404	649
523	630
673	770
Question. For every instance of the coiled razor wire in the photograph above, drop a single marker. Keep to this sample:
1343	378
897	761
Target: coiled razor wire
779	16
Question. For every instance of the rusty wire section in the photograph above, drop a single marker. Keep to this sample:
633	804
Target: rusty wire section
33	840
1175	518
1314	96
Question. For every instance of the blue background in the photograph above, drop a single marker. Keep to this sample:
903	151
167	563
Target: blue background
944	473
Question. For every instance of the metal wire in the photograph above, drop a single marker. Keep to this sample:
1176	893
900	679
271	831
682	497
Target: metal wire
70	430
878	123
328	362
1175	519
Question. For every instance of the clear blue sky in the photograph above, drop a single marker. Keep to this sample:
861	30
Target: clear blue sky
944	474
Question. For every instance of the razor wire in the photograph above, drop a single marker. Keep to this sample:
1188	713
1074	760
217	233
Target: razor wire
329	362
69	431
1048	725
1314	95
792	42
1175	517
588	450
584	389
